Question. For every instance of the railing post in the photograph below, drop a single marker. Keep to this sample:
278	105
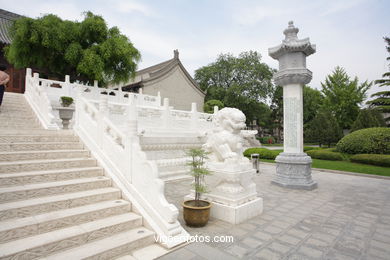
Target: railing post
103	111
194	116
159	99
95	89
140	97
166	113
132	120
216	109
67	90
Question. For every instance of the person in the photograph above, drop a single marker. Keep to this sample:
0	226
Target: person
4	78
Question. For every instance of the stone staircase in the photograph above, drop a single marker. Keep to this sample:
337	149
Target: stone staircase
169	153
56	202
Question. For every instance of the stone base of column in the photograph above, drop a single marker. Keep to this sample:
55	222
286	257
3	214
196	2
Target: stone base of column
293	170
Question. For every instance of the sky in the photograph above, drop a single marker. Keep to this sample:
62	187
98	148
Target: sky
347	33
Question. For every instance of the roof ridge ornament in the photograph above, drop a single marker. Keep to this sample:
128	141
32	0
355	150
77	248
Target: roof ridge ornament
176	54
291	32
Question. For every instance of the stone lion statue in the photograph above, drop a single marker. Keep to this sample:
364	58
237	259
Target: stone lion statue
225	143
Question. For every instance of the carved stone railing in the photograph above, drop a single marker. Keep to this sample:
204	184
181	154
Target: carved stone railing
37	96
119	152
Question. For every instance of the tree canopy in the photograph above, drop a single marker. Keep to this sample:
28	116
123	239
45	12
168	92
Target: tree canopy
343	96
323	129
86	50
312	101
243	82
368	118
381	99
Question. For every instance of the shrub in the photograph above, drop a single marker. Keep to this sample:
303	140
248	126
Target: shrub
263	153
325	155
267	140
368	141
374	159
66	101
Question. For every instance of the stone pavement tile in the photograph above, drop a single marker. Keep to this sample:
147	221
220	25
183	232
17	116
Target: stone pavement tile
273	230
316	242
380	245
381	238
296	256
257	221
263	236
208	252
324	237
266	216
311	252
350	246
281	224
290	240
376	254
335	255
247	226
279	248
267	254
238	232
236	250
288	219
251	242
297	233
181	253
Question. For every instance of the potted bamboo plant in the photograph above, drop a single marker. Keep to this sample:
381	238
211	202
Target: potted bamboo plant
196	212
65	112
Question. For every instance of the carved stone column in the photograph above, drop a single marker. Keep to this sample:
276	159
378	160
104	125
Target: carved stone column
293	166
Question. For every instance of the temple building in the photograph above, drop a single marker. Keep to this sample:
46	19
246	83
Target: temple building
172	80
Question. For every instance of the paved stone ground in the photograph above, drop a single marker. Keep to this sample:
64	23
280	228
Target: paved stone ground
347	217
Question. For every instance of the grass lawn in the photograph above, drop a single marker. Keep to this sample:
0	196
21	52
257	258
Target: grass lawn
347	166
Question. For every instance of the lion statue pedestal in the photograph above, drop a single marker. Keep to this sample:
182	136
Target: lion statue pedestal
232	190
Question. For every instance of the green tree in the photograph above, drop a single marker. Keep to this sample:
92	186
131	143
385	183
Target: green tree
86	50
208	106
381	99
368	118
323	129
277	112
312	101
241	82
343	96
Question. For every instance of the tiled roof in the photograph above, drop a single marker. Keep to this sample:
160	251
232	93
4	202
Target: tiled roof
6	21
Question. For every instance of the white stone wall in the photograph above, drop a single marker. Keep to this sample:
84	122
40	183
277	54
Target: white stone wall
176	86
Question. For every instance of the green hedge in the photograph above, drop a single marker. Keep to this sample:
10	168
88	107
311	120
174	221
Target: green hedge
310	148
325	155
263	153
374	140
374	159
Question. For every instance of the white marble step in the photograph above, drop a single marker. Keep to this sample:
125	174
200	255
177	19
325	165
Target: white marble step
110	247
175	175
42	245
164	154
44	132
23	146
23	178
43	155
52	188
35	206
45	137
148	253
22	227
43	165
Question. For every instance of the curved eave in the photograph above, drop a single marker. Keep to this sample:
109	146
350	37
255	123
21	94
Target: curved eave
302	45
168	68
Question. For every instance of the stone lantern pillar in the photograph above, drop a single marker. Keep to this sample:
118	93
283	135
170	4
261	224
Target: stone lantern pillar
293	166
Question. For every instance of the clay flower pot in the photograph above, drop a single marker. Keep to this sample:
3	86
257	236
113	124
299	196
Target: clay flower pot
196	213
